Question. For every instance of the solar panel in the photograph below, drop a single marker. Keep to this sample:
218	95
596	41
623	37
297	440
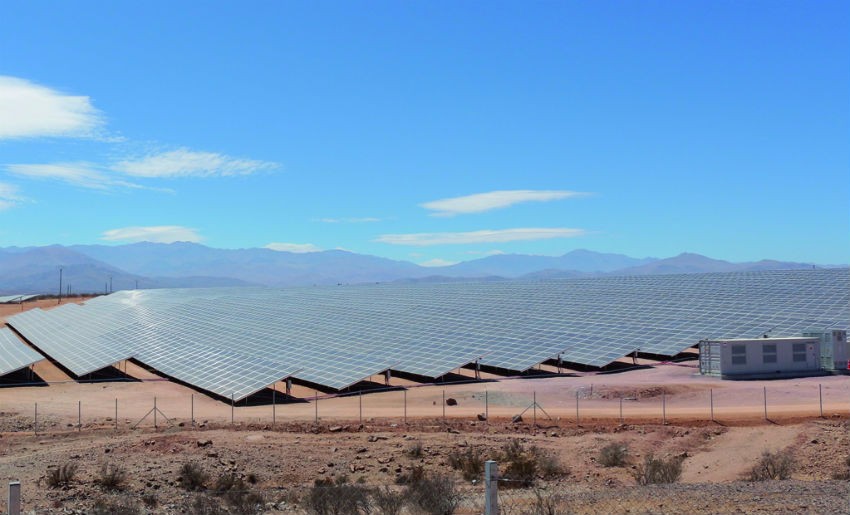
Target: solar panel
5	299
15	354
244	339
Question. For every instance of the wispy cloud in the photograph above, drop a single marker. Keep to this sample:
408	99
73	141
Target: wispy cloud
29	110
363	220
436	262
188	163
9	196
81	174
481	202
485	253
155	234
298	248
477	237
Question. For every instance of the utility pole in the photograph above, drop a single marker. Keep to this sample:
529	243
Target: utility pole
60	286
110	284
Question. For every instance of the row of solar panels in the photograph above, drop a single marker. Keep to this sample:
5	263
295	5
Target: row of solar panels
237	341
5	299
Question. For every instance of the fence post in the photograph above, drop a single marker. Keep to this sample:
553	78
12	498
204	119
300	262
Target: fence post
491	488
486	408
534	410
274	405
765	402
193	410
35	426
14	498
154	413
79	416
711	402
577	419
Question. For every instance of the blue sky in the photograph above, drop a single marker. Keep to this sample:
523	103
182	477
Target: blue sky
433	132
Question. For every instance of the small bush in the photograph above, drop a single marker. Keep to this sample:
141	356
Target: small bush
523	465
61	475
772	466
192	477
388	501
470	462
150	500
114	507
844	473
546	503
112	477
657	470
415	450
237	494
204	505
413	475
614	455
434	495
327	497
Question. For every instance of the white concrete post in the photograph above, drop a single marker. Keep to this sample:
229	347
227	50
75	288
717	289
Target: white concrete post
491	488
14	498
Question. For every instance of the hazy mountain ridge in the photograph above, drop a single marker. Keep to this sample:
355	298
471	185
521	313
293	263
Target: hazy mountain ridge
88	268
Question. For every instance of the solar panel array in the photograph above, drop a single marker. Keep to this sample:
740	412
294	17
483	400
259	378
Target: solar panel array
236	341
5	299
15	354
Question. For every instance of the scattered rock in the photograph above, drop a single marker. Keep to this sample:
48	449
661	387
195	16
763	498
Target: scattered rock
335	429
204	443
482	417
516	419
451	402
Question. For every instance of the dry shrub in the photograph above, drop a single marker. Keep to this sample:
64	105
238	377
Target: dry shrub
388	501
413	475
112	477
61	475
772	466
415	450
614	455
327	497
658	470
470	462
434	494
192	477
844	473
114	507
522	466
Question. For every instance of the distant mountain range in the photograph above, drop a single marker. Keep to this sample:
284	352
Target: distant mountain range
88	268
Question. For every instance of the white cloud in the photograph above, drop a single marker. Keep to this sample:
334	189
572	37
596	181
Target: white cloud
9	196
155	234
481	202
485	252
188	163
84	175
29	110
298	248
477	237
437	262
363	220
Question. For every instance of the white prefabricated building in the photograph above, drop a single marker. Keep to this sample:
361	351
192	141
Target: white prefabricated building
760	357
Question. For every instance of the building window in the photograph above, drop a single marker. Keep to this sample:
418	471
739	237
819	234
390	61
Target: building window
799	352
768	353
739	355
